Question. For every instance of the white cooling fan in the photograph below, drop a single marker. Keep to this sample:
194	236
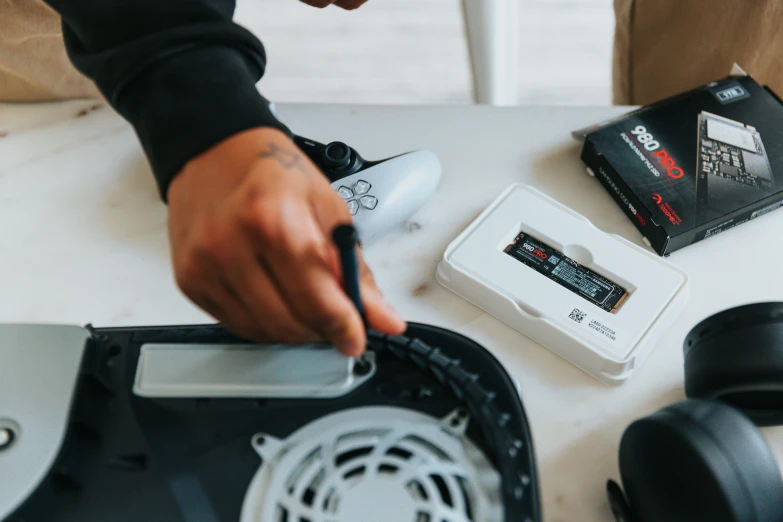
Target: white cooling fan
374	464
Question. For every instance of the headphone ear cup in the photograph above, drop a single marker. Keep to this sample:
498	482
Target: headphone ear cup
736	356
700	460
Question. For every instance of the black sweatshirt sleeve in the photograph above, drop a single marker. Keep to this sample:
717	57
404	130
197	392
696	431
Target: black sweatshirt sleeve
180	71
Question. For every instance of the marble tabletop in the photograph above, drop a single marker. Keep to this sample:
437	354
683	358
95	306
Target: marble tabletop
83	239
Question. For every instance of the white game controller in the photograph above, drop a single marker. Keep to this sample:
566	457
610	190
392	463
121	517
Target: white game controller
380	195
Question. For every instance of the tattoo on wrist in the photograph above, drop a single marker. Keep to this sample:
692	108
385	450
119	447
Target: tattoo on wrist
287	159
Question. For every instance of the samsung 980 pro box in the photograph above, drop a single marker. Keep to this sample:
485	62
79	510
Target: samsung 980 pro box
692	166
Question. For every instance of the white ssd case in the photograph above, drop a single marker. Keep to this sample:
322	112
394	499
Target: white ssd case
608	345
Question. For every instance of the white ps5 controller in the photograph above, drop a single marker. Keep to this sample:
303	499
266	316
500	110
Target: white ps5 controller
380	195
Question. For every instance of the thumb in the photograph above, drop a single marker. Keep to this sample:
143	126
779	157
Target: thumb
381	316
330	210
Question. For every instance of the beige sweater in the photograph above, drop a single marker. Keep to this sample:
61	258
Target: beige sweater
33	62
662	47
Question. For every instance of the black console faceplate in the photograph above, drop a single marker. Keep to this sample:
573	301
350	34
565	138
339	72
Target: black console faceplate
127	458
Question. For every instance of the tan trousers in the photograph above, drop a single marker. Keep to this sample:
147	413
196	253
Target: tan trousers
662	47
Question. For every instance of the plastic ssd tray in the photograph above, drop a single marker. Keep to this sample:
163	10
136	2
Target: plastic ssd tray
551	309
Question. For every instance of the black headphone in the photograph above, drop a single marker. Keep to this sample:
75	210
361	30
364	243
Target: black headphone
704	459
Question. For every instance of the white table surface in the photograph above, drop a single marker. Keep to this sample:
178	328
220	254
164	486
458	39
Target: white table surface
83	239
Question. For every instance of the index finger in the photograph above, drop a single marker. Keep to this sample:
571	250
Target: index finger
350	4
318	3
300	268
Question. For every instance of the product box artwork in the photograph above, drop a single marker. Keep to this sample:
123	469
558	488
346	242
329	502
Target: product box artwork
692	166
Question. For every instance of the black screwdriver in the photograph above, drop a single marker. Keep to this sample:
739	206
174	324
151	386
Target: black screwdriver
345	239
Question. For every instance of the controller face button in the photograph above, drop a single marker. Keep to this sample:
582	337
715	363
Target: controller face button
369	202
353	207
336	155
345	192
362	187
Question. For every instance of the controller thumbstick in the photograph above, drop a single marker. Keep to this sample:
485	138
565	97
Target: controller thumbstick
336	155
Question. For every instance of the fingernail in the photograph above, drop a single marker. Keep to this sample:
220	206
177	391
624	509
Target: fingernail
393	312
351	349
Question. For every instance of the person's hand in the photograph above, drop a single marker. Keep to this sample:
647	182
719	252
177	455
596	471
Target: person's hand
250	224
345	4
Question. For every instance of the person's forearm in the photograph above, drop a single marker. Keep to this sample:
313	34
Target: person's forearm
181	72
